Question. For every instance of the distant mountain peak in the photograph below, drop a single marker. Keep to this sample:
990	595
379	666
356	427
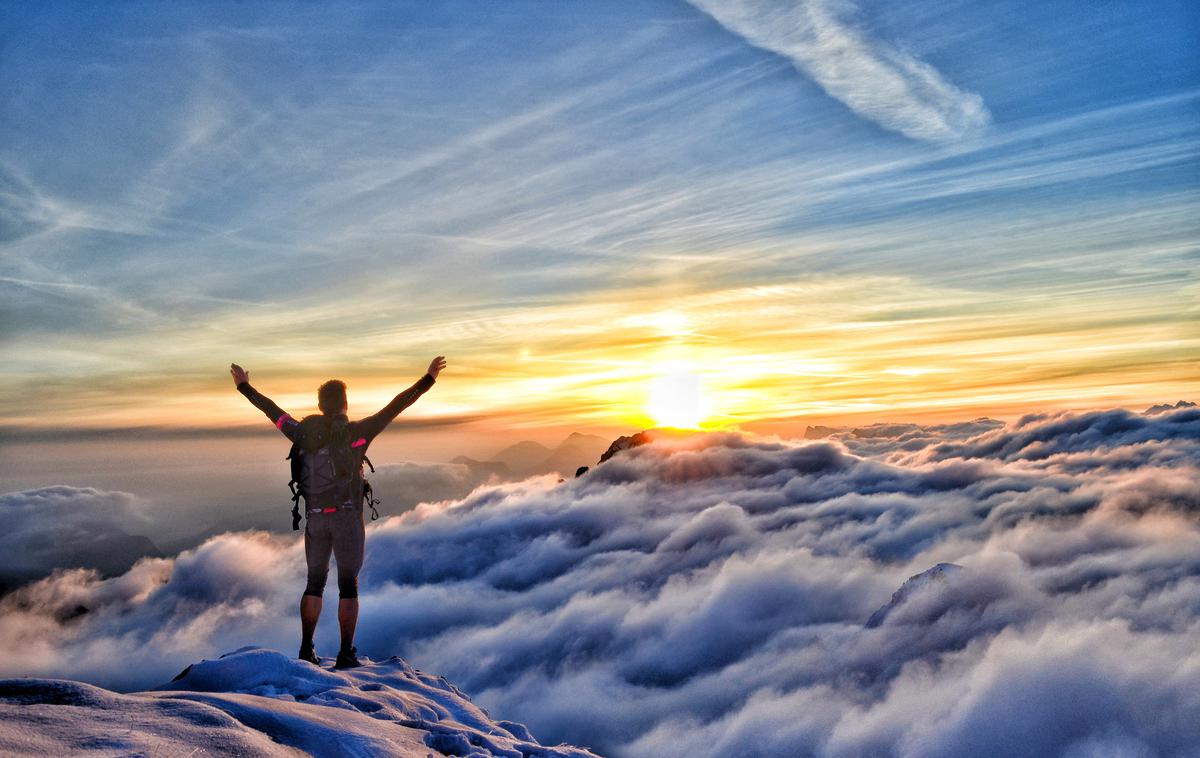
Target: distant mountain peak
522	446
496	468
528	457
1154	410
626	442
917	583
647	436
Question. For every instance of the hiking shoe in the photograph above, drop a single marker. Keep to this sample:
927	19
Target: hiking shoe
309	653
347	659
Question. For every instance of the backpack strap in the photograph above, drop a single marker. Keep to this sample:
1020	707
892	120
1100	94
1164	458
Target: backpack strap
369	494
339	447
369	499
294	485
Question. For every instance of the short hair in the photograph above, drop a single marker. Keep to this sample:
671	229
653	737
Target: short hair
331	397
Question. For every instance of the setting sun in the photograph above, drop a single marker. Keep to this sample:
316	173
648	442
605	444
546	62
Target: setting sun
677	399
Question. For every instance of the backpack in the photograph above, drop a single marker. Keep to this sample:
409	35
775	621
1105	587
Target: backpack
327	469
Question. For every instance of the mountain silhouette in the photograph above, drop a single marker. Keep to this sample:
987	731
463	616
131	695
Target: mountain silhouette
1154	410
528	457
523	456
918	584
484	468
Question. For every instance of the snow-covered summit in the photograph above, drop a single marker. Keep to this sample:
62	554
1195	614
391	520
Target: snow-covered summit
915	584
260	702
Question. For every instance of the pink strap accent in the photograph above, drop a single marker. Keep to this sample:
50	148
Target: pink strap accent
279	423
359	442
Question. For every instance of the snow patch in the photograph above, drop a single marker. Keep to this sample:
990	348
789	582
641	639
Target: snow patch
256	701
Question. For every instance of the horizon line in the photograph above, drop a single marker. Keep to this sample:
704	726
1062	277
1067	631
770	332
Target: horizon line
13	433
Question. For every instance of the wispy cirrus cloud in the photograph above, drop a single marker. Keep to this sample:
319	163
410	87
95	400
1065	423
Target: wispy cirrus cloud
635	171
875	80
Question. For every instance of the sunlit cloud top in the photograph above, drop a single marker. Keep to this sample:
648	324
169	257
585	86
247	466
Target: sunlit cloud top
805	211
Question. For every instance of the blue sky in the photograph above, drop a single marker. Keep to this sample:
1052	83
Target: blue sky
752	215
843	198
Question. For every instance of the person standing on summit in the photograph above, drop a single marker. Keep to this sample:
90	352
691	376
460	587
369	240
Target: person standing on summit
332	449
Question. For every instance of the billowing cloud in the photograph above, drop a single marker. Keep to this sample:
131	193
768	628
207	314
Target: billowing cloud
709	595
59	527
403	485
877	81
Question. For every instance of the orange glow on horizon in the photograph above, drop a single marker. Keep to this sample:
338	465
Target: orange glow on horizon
807	352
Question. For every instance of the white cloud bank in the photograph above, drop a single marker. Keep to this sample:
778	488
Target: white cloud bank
875	80
709	596
61	526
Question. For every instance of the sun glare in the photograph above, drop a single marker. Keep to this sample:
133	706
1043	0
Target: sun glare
677	399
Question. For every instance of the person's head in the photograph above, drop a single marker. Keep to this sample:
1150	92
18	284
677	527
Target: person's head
331	397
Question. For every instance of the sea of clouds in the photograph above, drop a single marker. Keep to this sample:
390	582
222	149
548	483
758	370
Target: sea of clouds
707	595
61	526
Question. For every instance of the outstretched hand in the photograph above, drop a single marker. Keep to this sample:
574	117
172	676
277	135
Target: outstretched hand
239	374
436	365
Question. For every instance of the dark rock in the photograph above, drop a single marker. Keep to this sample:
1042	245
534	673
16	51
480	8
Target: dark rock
484	468
820	432
930	577
1154	410
625	443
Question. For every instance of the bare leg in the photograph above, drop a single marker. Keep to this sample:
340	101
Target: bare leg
347	620
310	611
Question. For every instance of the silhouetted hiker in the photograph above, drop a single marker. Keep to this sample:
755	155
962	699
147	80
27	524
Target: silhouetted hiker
332	450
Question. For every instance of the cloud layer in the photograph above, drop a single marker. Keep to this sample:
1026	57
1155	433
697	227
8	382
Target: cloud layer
875	80
58	527
709	595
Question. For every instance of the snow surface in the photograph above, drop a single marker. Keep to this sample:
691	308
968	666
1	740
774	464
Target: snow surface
260	702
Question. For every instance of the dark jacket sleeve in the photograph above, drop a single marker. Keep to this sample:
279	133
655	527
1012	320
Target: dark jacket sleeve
282	421
373	425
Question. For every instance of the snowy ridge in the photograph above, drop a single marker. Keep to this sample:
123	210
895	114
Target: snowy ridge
918	583
260	702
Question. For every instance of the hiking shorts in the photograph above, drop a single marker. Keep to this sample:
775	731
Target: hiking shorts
342	533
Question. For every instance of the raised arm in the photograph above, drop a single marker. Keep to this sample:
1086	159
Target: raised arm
374	424
241	378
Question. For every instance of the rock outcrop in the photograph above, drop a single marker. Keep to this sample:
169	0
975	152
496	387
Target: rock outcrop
922	582
625	443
